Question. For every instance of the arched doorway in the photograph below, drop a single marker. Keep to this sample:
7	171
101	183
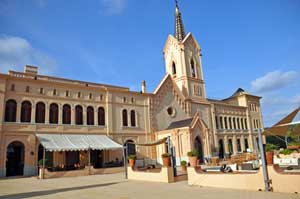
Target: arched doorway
15	155
199	148
221	148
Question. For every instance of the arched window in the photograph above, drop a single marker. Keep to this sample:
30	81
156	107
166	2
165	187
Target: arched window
221	148
12	88
225	120
239	147
246	126
10	111
230	124
132	118
217	123
230	146
40	113
125	117
193	68
53	114
101	116
246	144
173	68
242	123
90	115
238	123
234	123
26	111
78	115
66	114
221	122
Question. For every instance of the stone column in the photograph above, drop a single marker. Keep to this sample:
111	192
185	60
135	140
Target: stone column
234	144
108	113
223	122
60	113
47	111
214	126
242	138
72	115
18	116
84	115
95	116
32	113
225	141
250	131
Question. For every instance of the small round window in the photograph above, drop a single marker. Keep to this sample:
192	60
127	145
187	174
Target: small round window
171	111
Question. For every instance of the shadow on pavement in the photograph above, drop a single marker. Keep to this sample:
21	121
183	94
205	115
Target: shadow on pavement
54	191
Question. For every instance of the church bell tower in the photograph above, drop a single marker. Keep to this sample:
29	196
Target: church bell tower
183	62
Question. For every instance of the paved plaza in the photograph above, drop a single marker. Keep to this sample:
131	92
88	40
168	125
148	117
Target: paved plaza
114	186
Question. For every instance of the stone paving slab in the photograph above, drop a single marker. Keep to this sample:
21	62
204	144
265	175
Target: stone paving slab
114	186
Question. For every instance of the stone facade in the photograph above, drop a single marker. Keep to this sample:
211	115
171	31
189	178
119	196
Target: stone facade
217	126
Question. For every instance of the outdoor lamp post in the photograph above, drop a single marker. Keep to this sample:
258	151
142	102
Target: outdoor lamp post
263	160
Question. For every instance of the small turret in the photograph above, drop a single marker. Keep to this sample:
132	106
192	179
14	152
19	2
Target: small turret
143	86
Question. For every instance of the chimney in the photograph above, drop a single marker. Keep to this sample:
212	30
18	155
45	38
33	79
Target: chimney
143	86
32	70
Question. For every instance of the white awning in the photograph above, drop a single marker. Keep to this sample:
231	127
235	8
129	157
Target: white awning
66	142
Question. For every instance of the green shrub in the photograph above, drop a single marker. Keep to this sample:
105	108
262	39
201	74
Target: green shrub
183	163
131	157
192	153
294	143
40	162
270	147
165	155
286	151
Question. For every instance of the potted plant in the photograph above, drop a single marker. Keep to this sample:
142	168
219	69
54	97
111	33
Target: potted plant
294	145
41	169
166	157
294	140
269	148
131	160
183	164
41	161
286	151
193	157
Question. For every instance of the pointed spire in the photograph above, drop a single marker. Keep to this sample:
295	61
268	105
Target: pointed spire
179	28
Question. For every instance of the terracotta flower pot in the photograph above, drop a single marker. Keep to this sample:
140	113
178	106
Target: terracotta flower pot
132	162
166	161
183	167
269	157
293	147
193	161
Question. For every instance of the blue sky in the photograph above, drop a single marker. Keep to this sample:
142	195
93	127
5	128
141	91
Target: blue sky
250	44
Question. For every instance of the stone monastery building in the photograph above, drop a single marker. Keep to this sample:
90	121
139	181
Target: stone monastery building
31	104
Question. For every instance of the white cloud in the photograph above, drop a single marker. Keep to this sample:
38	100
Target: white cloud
274	81
276	106
15	52
277	102
112	7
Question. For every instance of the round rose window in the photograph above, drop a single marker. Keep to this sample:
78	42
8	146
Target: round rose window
171	111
